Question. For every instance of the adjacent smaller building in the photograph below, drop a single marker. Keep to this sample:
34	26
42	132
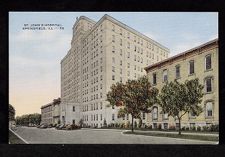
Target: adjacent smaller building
50	113
200	62
56	111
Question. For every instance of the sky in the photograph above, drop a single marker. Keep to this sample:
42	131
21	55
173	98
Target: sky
35	55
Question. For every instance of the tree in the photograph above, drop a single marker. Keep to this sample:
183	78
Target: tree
177	99
12	112
134	97
81	122
28	118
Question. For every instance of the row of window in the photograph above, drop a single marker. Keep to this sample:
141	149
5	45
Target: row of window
208	112
136	39
94	106
208	66
94	117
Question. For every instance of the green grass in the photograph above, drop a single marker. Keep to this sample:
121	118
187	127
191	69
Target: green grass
13	139
146	129
183	136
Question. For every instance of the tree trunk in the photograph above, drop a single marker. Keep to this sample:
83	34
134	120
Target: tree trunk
132	123
179	126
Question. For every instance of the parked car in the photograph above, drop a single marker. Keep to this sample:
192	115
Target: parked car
50	126
43	126
60	127
57	126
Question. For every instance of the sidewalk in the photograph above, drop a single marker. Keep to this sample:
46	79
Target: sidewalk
176	132
159	131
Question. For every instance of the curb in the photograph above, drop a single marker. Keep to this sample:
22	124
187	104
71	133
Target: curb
18	136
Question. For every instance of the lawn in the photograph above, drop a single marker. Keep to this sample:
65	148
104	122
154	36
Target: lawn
183	136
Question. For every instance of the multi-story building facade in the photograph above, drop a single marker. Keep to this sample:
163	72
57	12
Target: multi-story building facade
46	114
50	113
200	62
56	110
102	53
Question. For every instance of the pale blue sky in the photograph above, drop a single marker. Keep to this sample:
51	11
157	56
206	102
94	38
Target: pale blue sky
34	56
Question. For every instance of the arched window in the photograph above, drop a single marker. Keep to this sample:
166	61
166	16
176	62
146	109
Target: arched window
155	113
209	109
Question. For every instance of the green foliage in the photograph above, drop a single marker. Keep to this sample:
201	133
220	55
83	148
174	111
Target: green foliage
11	112
81	122
134	97
177	99
198	128
193	128
28	118
214	128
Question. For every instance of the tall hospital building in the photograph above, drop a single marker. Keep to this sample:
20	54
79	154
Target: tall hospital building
101	54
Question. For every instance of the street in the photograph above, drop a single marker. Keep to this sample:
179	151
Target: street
35	135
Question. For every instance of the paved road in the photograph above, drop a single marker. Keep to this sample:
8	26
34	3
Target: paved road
94	136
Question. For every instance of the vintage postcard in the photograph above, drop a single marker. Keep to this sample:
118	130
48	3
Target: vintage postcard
113	78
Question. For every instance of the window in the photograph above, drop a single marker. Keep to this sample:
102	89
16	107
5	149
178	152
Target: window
113	77
113	116
208	109
113	28
128	35
128	65
113	49
165	115
96	117
100	116
121	71
208	82
73	121
154	78
128	73
192	125
121	80
121	62
177	71
128	54
121	52
165	77
208	62
120	42
143	116
191	67
155	113
113	38
154	125
113	60
127	116
101	105
121	31
165	126
191	114
135	57
73	108
128	45
113	69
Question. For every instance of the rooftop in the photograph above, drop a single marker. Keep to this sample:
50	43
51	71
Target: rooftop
181	54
